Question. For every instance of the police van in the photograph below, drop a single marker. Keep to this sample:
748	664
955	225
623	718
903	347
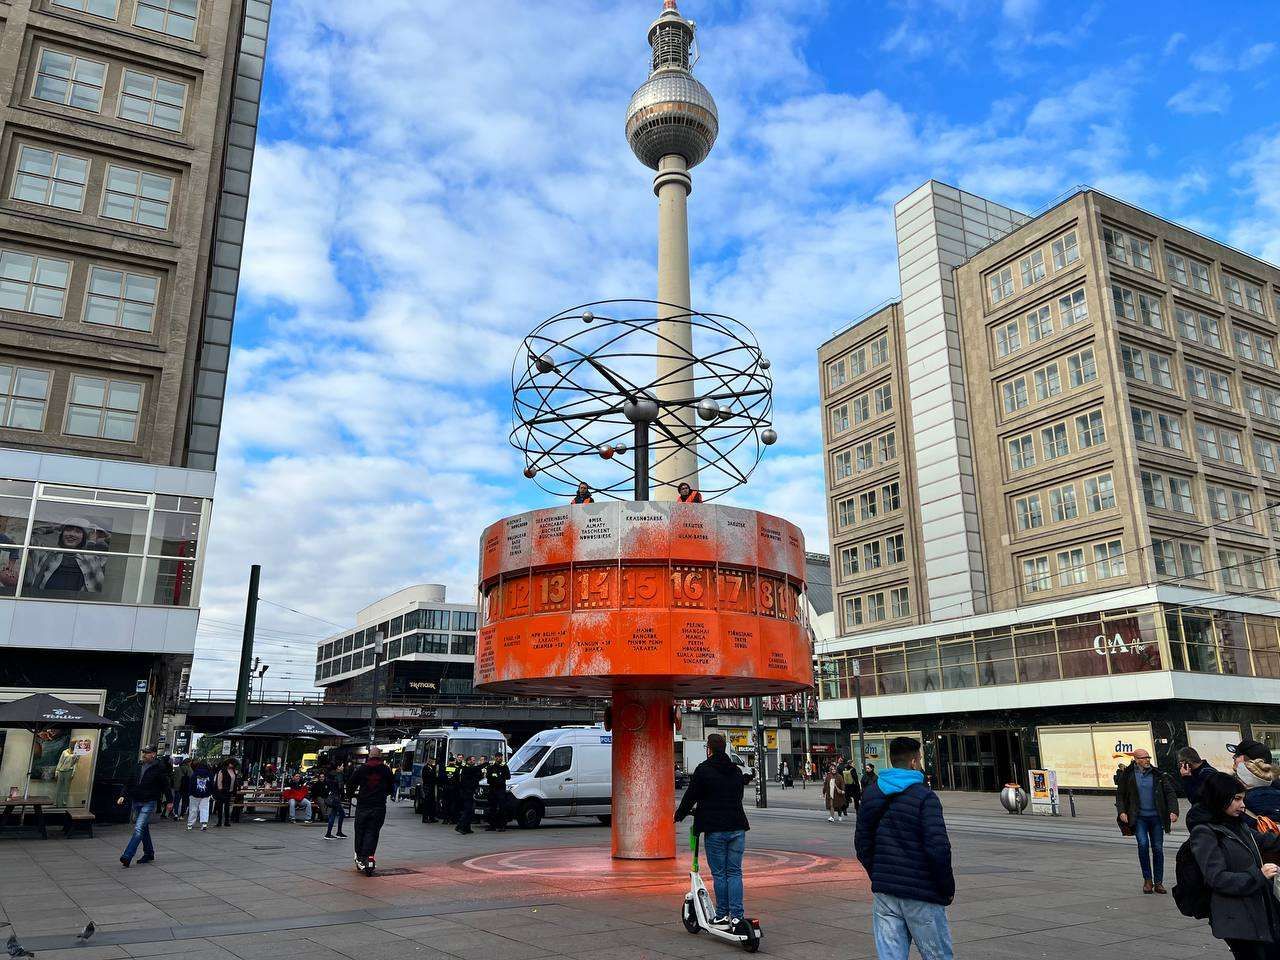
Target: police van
440	743
565	772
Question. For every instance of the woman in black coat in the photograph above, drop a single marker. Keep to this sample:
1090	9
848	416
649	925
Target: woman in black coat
1239	867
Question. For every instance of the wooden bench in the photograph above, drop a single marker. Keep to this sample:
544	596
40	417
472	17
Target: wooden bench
249	802
79	822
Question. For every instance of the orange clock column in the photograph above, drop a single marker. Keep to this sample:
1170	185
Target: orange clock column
644	786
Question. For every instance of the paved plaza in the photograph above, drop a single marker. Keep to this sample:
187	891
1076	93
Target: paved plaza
1027	888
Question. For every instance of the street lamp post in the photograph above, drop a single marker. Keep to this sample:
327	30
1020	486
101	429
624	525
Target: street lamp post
373	693
857	692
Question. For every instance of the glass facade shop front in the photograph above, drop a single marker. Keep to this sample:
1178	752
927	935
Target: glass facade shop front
1138	640
55	764
60	542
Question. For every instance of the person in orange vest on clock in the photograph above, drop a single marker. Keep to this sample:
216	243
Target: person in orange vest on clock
584	494
688	494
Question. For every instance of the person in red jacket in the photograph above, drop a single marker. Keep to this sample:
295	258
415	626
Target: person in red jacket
297	795
688	494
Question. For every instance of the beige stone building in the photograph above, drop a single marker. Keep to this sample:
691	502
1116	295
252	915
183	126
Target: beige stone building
127	132
1086	410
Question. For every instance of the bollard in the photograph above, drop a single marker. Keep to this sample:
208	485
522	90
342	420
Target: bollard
1071	799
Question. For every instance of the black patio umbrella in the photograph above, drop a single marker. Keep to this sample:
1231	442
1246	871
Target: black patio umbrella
42	710
288	725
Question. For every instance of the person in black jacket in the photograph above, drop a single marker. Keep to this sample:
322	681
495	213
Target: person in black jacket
496	775
468	780
370	784
714	796
1147	802
1193	770
1239	868
149	789
901	840
427	791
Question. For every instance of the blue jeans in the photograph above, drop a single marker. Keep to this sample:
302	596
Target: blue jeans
336	814
724	857
141	831
898	923
1150	833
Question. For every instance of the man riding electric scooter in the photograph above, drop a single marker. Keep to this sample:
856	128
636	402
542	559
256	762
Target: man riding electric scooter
714	796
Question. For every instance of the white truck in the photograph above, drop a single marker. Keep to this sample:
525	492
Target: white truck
564	772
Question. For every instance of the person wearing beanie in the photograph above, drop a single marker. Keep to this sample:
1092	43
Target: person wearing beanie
1257	770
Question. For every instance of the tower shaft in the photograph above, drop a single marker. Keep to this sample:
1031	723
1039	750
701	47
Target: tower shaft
675	333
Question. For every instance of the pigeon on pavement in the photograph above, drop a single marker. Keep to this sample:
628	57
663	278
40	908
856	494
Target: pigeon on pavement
15	948
87	932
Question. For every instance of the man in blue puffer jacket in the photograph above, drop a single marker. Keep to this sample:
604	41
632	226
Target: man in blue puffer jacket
901	841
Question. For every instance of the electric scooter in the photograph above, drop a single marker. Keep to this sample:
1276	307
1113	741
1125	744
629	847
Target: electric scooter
697	912
365	866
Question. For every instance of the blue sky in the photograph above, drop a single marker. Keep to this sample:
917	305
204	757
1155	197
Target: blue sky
433	179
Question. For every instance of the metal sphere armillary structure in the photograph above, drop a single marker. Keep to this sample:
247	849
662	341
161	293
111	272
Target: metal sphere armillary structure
583	391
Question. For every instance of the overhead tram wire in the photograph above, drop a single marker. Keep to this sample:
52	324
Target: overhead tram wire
303	613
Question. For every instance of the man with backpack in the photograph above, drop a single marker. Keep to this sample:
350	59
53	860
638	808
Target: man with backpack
1147	805
901	840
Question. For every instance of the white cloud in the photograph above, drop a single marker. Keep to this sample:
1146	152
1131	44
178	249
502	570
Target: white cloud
1259	168
1173	43
1222	56
1200	97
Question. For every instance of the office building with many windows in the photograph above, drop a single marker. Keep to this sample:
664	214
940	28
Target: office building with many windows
1092	452
428	649
127	130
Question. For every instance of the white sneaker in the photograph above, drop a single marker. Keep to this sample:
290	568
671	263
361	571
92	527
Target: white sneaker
831	819
189	826
204	827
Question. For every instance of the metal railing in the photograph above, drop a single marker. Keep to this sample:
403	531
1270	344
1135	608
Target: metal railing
313	698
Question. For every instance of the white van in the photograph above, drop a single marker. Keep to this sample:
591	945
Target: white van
440	743
565	772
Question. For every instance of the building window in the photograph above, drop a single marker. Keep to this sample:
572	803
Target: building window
1265	453
840	418
1220	387
119	299
1210	331
1015	395
99	8
848	562
846	512
1134	366
1099	493
842	465
1176	264
1207	442
50	179
880	350
1200	277
1007	339
1144	427
1243	341
857	362
1253	299
1122	300
176	18
894	549
104	408
871	555
1108	560
1029	512
1089	430
1071	569
1265	349
1186	321
1254	570
1048	383
884	399
888	447
1150	312
152	100
1124	248
1001	285
25	393
1039	325
1197	382
1115	244
1032	268
71	81
1153	490
867	505
875	607
1053	440
852	612
1141	252
863	455
1072	308
1165	557
1062	503
1161	375
1180	495
1066	251
1229	564
137	197
1242	507
837	373
1218	508
1192	560
890	495
862	408
1081	368
901	602
1170	431
1234	292
1035	574
1231	451
1022	453
33	284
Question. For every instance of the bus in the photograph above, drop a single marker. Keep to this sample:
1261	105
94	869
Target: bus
440	743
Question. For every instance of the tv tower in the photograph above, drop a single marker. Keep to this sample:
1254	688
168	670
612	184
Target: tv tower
671	126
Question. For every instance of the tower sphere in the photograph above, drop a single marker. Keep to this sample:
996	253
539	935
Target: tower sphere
671	112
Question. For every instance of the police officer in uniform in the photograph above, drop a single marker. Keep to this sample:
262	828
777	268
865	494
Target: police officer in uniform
468	779
496	775
449	792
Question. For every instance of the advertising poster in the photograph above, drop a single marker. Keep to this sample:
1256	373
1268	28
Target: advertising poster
1087	755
